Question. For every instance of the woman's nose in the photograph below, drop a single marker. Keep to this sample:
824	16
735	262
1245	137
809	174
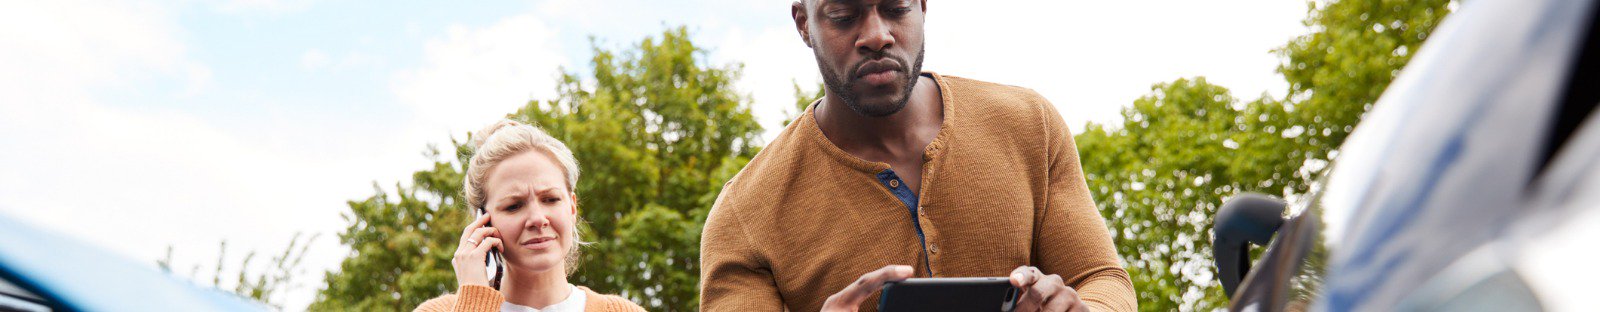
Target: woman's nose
538	220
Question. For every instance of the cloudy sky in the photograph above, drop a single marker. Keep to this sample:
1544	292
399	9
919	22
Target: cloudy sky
136	126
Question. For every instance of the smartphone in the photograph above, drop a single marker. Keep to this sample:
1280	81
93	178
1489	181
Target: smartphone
949	294
493	262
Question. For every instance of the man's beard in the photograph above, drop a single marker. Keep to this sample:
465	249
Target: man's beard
844	87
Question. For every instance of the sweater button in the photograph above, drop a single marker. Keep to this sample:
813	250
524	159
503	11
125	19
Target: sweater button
894	183
933	248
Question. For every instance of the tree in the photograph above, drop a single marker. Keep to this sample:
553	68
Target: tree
656	133
1187	145
259	284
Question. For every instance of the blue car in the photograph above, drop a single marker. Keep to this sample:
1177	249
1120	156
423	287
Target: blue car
45	271
1472	184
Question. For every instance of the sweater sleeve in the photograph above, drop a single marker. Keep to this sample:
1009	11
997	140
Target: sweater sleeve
1071	238
470	298
732	276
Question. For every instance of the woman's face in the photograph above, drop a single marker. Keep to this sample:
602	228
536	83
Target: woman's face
530	205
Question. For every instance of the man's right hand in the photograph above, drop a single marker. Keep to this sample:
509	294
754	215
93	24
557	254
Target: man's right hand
851	297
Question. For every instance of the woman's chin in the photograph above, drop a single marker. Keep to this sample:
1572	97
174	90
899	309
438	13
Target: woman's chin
540	262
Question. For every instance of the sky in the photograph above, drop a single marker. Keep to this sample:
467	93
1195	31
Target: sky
141	125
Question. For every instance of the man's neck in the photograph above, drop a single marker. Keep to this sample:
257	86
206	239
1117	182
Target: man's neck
536	289
901	135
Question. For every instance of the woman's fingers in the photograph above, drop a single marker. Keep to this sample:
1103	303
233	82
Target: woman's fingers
483	247
477	236
476	223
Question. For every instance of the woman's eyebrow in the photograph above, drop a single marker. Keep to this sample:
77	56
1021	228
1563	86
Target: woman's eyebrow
513	196
548	190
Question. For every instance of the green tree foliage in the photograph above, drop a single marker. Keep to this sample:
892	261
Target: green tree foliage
262	284
656	133
1189	144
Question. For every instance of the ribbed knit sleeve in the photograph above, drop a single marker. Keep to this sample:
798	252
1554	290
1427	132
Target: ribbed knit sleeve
1071	237
470	298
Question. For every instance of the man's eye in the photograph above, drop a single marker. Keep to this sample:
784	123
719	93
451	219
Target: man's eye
842	18
551	200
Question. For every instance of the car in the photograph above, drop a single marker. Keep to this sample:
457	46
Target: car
46	271
1471	185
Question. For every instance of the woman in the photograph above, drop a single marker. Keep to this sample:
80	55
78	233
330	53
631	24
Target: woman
521	183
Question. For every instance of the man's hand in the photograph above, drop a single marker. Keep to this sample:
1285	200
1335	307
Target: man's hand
1042	292
851	297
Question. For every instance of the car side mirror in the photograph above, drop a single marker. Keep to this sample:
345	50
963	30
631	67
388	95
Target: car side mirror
1245	219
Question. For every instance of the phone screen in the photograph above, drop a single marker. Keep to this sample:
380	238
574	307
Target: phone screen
949	294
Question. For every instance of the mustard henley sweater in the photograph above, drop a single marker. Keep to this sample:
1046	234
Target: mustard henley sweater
1002	187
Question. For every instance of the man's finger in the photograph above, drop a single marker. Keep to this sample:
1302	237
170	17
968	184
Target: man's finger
1057	296
857	292
1025	276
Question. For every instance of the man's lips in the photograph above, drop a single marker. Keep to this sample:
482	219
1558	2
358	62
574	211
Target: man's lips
878	72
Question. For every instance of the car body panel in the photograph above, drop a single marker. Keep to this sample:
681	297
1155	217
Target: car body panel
73	276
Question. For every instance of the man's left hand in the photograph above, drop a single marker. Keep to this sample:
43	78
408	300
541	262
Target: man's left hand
1042	292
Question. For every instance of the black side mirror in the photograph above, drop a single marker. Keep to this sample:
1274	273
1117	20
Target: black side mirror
1245	219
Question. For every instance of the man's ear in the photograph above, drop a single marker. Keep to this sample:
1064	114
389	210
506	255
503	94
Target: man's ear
798	11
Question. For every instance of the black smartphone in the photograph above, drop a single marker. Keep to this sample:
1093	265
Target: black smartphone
949	294
493	262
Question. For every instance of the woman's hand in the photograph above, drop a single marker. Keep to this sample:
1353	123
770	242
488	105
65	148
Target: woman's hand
852	296
1042	292
476	240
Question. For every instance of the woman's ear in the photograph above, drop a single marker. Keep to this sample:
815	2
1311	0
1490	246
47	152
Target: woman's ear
574	196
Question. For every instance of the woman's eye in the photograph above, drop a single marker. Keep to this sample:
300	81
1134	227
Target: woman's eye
513	207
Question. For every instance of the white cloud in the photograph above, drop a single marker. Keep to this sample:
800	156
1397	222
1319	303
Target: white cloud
1093	58
474	76
269	6
136	179
774	60
315	59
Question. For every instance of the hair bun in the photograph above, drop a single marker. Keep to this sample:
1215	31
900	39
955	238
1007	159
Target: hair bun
488	132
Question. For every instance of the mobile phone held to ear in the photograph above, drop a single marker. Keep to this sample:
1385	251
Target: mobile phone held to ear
949	294
493	262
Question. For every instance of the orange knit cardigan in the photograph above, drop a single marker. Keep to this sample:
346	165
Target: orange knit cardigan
473	298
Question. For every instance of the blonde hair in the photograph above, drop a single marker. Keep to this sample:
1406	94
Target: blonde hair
507	138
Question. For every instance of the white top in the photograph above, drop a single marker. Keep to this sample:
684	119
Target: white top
574	303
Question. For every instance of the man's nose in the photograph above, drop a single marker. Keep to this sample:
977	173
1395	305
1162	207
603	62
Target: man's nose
875	33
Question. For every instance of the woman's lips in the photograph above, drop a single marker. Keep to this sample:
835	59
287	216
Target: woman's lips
540	243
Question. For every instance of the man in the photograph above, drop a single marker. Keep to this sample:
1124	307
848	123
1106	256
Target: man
899	173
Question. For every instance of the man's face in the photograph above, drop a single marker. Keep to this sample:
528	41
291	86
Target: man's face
869	51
